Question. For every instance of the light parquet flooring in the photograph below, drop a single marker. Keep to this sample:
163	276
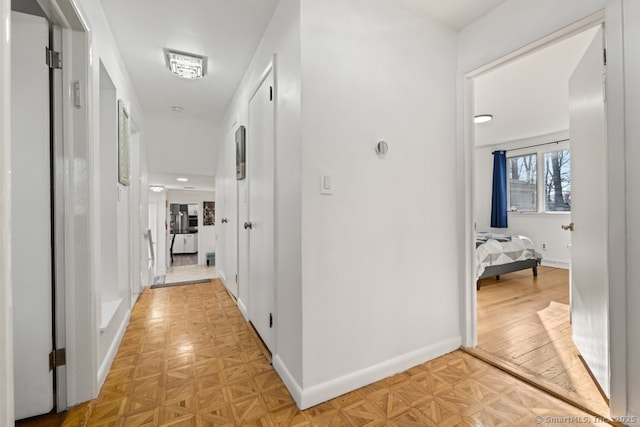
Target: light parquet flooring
188	358
525	321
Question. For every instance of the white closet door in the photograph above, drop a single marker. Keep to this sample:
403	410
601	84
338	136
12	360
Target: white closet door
31	216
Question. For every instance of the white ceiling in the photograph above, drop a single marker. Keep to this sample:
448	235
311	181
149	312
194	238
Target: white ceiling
528	97
455	13
227	32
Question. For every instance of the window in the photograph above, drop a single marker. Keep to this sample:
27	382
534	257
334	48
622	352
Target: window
522	183
557	181
552	194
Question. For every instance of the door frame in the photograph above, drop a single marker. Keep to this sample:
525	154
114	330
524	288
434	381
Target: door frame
72	325
611	16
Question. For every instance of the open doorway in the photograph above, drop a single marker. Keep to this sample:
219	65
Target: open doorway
524	315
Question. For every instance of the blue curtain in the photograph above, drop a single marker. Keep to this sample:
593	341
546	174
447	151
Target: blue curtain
499	195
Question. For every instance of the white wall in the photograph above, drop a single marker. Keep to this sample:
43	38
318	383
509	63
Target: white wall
381	250
540	227
104	50
282	38
6	310
206	235
632	126
192	144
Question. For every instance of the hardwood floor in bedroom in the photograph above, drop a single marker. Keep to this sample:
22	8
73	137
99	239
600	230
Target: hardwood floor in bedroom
524	321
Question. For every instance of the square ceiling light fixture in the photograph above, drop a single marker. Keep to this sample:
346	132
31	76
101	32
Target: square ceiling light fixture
186	65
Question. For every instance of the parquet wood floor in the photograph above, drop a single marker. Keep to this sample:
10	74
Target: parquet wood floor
525	321
188	358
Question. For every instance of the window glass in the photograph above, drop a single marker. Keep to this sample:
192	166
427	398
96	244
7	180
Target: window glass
522	183
557	181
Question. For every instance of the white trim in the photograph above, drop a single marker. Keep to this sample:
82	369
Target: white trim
555	264
288	379
6	309
243	309
617	164
112	351
338	386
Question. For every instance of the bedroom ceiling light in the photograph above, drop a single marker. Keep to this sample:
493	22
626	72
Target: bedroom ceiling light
181	179
156	188
186	65
482	118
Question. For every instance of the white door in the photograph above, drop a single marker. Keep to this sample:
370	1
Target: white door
260	179
589	283
31	216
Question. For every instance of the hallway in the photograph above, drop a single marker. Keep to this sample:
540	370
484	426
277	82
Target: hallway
189	358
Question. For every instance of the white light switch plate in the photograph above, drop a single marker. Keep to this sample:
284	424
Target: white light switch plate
327	183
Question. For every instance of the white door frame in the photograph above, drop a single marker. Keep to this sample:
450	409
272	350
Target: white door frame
77	325
74	381
616	193
6	313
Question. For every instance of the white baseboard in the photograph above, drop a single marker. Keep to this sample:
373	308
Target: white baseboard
555	264
308	397
113	350
243	309
288	380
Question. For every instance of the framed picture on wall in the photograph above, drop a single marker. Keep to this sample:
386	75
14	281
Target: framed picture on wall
209	213
241	152
124	131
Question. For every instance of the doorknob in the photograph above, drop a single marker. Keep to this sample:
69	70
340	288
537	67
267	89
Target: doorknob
567	227
224	220
248	225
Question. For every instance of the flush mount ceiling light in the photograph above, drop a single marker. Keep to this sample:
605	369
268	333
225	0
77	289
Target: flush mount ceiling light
156	188
186	65
482	118
182	179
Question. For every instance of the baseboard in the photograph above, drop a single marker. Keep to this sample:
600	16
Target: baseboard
288	379
243	309
555	264
113	350
336	387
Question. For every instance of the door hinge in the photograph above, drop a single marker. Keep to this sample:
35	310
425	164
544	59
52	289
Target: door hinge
604	56
270	93
270	320
236	278
57	358
53	58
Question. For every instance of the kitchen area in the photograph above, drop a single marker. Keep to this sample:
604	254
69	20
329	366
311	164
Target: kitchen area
183	232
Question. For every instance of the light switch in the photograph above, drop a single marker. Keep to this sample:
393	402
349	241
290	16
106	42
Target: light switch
326	183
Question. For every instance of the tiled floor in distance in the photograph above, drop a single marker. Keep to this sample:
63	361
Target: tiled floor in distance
187	273
188	358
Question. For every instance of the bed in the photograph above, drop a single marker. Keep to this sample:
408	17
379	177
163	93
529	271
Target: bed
498	254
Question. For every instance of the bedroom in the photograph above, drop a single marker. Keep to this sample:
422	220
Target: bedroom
528	98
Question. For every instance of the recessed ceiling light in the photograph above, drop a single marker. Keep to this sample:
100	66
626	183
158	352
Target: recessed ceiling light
181	179
186	65
156	188
177	109
482	118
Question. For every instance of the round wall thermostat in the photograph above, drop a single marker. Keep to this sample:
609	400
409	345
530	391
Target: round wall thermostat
381	148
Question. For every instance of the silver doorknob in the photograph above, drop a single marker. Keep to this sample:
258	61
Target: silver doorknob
567	227
248	225
224	220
